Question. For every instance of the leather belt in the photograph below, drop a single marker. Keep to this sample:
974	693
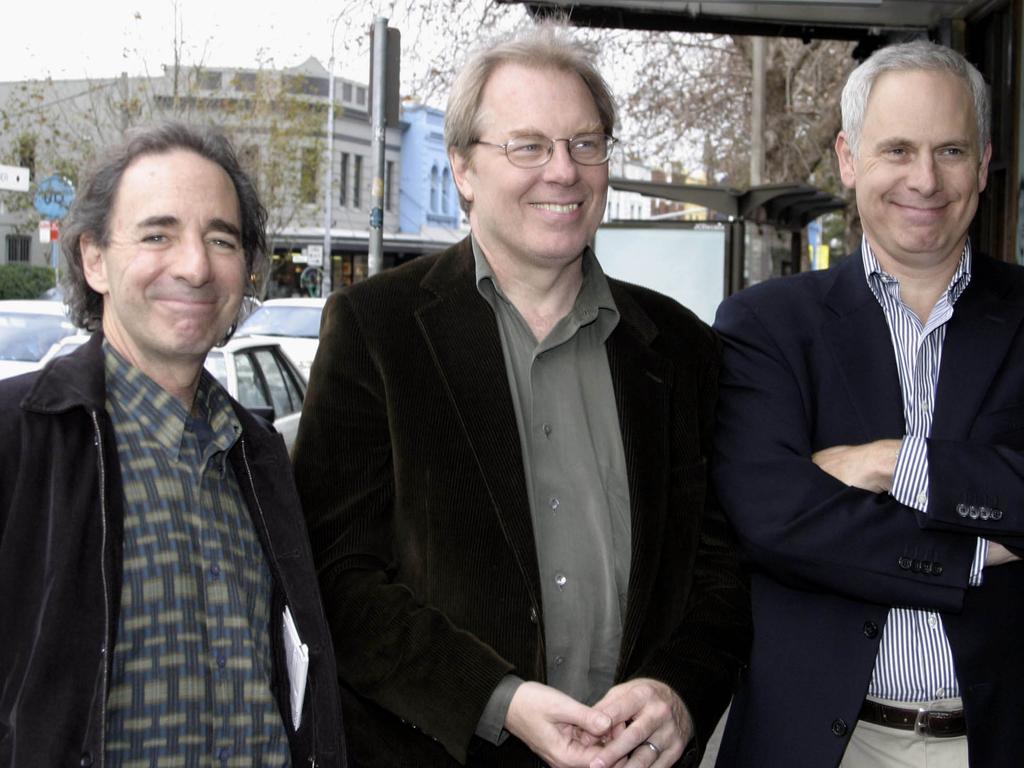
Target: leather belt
924	721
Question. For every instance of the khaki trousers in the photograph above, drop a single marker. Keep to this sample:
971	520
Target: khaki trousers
879	746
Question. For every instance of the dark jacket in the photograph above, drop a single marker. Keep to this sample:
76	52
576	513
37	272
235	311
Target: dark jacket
411	474
61	517
809	364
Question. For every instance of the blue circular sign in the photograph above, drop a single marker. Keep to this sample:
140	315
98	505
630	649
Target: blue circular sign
54	196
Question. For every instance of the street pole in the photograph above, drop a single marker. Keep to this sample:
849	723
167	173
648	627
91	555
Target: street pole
375	257
328	264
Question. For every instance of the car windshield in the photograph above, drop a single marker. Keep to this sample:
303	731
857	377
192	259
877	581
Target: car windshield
28	337
282	321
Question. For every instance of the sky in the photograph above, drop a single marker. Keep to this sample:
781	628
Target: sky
71	39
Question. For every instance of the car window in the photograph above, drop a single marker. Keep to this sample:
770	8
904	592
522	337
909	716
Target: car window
282	389
251	391
282	321
28	337
216	364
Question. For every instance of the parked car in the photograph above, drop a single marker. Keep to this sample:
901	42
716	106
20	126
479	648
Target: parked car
258	374
293	323
28	328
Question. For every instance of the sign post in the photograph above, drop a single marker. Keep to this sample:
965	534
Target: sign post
54	197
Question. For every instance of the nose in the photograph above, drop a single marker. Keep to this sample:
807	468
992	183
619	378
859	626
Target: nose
924	176
561	168
192	261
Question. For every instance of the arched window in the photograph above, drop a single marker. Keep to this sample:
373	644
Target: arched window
446	183
434	184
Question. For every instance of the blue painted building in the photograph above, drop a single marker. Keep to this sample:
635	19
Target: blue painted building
428	198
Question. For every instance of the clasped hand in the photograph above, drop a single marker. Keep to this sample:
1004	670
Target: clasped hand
615	733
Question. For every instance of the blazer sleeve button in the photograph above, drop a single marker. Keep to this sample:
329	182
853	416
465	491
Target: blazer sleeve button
870	630
905	563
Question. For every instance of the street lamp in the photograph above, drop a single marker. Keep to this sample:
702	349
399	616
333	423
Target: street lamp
325	286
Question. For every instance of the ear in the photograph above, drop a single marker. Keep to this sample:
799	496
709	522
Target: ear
94	265
986	156
847	165
461	167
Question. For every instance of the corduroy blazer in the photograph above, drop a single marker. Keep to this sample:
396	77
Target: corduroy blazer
410	470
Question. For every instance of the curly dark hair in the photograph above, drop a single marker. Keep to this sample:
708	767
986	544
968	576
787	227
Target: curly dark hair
90	213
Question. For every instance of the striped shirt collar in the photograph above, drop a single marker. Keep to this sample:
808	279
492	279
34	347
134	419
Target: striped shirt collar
876	276
212	419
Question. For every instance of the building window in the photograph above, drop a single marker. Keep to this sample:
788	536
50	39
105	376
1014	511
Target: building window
244	81
446	182
360	96
343	180
209	81
309	175
357	180
388	177
435	181
18	248
346	92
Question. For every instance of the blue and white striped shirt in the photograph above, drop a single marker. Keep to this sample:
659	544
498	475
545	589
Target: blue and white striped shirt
915	662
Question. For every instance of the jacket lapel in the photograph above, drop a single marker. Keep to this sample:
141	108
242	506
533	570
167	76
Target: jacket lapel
984	324
642	380
461	332
861	346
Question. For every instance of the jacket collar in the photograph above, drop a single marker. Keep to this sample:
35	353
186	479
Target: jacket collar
75	380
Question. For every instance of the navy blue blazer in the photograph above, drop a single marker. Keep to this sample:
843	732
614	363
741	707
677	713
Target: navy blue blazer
808	363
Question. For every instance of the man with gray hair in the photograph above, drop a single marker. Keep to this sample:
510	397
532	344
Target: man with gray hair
870	455
159	604
502	460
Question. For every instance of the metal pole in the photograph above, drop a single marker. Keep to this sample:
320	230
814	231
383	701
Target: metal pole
325	285
375	258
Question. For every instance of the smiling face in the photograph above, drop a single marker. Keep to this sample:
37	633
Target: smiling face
532	217
918	171
173	273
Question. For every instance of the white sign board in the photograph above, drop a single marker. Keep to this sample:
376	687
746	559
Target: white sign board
314	255
686	264
14	177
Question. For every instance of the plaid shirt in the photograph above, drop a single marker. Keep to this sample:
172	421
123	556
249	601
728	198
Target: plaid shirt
190	671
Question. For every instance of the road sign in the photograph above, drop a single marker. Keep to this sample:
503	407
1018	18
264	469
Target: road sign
14	177
314	255
54	196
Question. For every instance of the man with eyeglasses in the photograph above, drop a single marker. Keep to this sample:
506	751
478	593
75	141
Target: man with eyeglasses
502	463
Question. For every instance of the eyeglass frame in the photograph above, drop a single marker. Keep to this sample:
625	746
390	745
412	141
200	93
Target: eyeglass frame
612	141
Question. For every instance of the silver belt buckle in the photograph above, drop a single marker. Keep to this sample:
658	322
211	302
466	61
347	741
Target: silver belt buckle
922	724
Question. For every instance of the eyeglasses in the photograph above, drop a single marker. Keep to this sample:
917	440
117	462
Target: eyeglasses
535	151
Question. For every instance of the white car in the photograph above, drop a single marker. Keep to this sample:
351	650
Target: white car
293	323
259	375
28	328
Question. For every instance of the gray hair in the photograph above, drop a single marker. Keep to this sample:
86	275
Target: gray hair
915	55
545	46
94	205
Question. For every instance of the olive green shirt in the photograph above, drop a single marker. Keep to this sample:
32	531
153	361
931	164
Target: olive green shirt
575	471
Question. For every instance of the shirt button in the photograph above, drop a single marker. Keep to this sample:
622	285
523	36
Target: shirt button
554	503
922	498
559	660
215	570
222	660
560	580
86	761
547	430
940	693
933	620
224	754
